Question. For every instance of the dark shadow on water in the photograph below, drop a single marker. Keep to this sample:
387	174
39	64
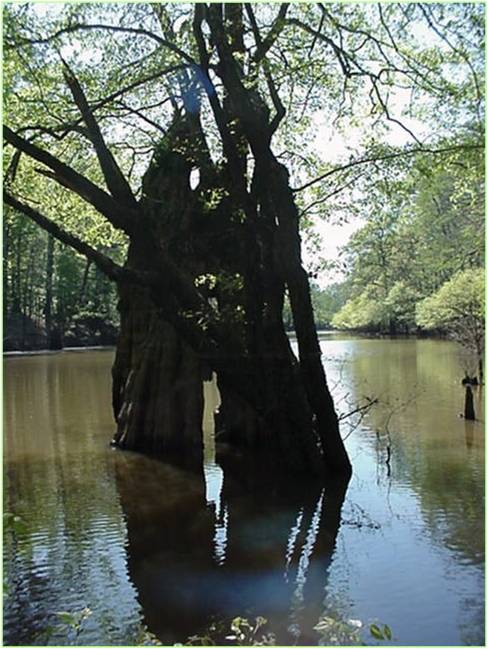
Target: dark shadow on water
258	546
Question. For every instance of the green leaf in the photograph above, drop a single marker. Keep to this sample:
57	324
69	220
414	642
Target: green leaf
66	617
376	631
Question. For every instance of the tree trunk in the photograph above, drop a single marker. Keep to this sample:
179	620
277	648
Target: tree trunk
84	281
276	427
17	274
274	410
272	209
468	404
157	385
6	254
53	338
288	261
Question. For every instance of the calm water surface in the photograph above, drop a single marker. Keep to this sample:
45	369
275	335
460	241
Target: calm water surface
145	544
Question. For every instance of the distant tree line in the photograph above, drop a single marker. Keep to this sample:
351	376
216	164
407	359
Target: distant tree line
52	296
422	239
326	303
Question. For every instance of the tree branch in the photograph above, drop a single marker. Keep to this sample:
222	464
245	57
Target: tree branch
128	30
168	294
114	178
167	280
228	142
105	264
280	109
66	128
264	45
341	54
119	216
140	114
334	192
388	156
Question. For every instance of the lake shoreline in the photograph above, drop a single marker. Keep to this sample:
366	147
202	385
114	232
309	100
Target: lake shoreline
292	334
52	352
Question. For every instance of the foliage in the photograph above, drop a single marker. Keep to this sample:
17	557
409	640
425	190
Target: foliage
83	301
334	632
146	638
240	632
458	308
326	302
331	629
65	627
244	633
421	229
382	632
400	303
362	312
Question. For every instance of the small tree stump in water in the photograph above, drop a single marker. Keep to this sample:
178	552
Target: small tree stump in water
468	404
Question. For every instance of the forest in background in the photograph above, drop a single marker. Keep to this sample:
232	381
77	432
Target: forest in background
423	229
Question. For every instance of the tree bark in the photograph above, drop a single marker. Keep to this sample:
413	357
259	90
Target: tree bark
157	385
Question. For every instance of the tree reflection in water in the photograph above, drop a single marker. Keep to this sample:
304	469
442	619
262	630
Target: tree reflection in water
260	546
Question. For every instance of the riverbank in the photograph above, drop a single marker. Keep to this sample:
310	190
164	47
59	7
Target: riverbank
40	344
23	334
53	352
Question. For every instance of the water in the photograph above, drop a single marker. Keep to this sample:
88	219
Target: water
146	545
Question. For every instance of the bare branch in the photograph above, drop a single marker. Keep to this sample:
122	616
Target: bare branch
145	118
336	191
386	111
369	404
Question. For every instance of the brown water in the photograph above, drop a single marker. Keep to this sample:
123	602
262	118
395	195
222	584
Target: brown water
142	543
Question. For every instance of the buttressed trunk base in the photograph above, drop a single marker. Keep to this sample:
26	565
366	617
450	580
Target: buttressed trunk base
157	385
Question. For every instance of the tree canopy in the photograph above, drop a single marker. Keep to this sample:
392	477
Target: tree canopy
377	67
408	69
458	307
